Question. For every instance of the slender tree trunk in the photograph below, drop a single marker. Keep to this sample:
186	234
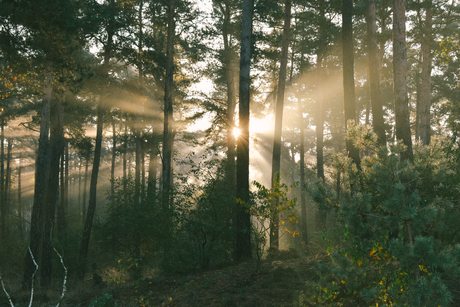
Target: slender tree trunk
41	176
85	187
79	188
425	94
402	125
168	109
125	149
97	152
20	209
142	169
276	158
7	184
320	216
114	155
374	74
243	218
4	209
66	181
56	151
349	74
153	163
418	88
231	91
303	205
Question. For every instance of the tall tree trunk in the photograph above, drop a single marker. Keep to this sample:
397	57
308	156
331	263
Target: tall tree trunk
66	178
231	94
41	175
243	218
168	110
125	152
349	74
20	209
97	151
85	187
142	169
425	94
303	205
402	123
7	184
56	151
114	155
276	158
153	163
137	136
374	74
320	216
79	188
4	208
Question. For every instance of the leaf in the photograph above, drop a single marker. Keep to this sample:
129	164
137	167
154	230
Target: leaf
359	262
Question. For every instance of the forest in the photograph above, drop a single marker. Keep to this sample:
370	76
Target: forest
229	153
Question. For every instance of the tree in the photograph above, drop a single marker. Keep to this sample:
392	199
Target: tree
243	218
276	159
374	73
348	73
425	94
402	123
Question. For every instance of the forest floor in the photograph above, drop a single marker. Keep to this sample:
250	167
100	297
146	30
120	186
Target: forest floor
282	280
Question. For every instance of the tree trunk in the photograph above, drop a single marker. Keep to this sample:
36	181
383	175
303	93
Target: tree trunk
97	152
303	205
4	208
374	74
55	153
79	188
243	218
349	74
41	175
20	209
168	110
231	92
276	158
85	187
402	123
425	94
320	216
7	185
114	155
153	162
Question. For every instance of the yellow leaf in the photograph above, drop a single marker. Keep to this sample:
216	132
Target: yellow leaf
359	262
373	251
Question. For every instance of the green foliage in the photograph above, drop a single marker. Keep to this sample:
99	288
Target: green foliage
265	205
105	300
398	249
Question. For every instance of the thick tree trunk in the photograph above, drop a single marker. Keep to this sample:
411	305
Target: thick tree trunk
374	74
243	218
276	158
41	175
137	133
168	134
425	94
85	187
402	123
56	151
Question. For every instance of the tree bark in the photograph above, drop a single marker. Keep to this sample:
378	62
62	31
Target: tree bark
349	74
114	155
4	208
153	162
425	94
303	205
55	153
374	74
402	123
7	184
97	150
276	158
20	209
41	175
168	134
243	218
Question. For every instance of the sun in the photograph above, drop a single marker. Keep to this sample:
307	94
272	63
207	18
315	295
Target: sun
236	132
